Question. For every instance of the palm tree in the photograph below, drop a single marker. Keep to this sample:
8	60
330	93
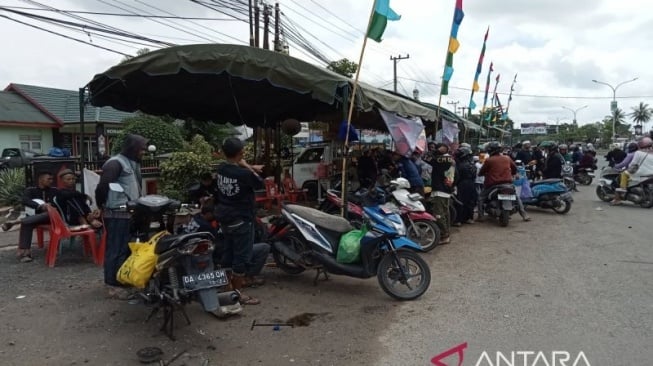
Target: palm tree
641	114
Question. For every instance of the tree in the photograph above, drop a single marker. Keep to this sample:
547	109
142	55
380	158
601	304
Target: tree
589	132
641	114
343	67
141	51
185	167
160	131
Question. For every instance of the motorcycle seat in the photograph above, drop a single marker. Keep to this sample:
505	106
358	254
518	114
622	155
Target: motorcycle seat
171	241
546	181
321	219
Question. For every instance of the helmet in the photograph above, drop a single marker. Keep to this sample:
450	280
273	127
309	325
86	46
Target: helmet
616	146
526	142
463	153
645	143
464	144
550	145
562	147
493	148
632	147
400	183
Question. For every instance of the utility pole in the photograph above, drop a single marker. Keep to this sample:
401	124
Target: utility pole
277	41
251	26
394	61
455	105
266	26
257	16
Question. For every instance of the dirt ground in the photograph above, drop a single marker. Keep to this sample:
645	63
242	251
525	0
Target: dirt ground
60	316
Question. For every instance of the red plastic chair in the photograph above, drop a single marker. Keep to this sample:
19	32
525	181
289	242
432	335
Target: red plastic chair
291	190
40	231
59	230
272	192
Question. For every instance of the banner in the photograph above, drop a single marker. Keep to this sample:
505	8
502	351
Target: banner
407	133
538	128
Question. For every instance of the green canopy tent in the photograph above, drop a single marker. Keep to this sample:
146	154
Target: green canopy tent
240	84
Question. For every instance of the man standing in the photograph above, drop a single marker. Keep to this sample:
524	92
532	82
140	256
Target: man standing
125	170
34	199
441	185
235	211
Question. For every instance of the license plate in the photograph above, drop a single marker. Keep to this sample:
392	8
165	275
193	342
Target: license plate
205	280
510	197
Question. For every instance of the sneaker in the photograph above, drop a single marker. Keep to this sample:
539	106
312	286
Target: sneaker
527	218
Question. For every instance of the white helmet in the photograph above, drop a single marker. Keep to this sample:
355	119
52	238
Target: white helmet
400	183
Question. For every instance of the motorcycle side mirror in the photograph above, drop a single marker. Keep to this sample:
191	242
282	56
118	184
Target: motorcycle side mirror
116	187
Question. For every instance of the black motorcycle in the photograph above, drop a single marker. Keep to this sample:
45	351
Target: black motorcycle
501	203
184	269
639	191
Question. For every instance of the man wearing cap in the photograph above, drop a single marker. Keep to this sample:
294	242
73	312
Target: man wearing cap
125	170
441	185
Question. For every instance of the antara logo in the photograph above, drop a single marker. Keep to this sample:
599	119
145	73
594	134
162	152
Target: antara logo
514	358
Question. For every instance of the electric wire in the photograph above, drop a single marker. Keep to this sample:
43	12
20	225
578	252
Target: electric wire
123	14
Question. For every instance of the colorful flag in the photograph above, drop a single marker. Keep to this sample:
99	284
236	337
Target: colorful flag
382	13
458	16
487	84
479	68
512	89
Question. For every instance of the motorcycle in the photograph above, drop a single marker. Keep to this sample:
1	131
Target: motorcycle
419	225
501	202
639	191
584	176
184	270
550	193
313	238
568	177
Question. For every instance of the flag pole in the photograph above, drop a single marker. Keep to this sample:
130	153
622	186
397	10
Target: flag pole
351	112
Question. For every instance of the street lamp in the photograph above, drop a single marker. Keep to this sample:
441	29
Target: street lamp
613	106
574	111
638	130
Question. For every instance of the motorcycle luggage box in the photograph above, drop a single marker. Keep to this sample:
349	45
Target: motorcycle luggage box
172	241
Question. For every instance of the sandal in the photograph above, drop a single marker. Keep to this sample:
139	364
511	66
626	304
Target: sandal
25	258
248	300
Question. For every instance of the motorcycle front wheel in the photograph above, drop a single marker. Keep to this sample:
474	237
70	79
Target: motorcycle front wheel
425	233
603	195
585	179
404	275
504	218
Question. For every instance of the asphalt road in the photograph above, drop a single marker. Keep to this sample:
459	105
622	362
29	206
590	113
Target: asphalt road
581	282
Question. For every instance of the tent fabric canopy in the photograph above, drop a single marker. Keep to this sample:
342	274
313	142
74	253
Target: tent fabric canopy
241	85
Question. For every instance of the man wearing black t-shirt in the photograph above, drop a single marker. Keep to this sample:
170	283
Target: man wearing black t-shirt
235	211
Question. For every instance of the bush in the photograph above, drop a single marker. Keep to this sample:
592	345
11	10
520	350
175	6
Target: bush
161	133
12	185
185	167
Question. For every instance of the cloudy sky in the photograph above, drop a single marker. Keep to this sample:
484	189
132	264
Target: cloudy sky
556	46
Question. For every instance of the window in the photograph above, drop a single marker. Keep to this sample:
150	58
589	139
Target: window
30	142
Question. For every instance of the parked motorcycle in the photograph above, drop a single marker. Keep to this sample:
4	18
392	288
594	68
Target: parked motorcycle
550	193
184	270
501	203
313	239
639	191
419	225
568	177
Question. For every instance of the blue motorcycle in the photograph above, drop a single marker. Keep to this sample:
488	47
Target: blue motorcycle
550	193
308	238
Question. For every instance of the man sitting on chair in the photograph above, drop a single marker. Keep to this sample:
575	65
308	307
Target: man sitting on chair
34	199
72	204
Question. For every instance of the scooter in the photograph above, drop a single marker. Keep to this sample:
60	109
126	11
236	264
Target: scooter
550	193
639	191
313	240
568	177
184	269
501	203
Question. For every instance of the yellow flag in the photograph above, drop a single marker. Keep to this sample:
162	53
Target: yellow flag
453	45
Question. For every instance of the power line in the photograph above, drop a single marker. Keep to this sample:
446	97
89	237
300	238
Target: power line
535	95
122	14
64	36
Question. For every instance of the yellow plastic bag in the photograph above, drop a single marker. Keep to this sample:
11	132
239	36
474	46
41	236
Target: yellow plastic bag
139	266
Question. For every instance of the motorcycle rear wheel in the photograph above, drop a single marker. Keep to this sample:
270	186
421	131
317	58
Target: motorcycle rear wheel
424	232
504	218
585	180
284	263
390	274
564	208
602	195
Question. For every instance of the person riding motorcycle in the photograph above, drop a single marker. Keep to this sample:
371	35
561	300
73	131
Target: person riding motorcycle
615	156
497	169
554	161
564	151
638	152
